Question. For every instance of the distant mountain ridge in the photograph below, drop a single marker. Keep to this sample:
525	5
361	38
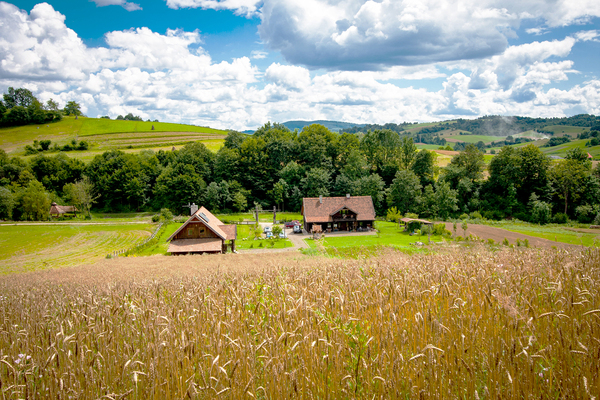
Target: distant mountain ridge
333	126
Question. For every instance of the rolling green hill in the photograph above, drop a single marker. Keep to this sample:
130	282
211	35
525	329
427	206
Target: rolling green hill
105	134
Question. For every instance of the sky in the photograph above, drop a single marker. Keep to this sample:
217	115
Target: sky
237	64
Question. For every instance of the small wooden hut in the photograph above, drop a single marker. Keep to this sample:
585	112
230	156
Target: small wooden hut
202	233
62	211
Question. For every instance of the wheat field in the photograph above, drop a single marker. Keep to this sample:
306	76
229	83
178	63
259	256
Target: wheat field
474	324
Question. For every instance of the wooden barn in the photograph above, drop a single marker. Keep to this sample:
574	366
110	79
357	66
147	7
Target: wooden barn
202	233
60	211
350	213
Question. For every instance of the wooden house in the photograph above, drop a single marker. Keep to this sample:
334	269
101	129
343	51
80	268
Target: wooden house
60	211
202	233
350	213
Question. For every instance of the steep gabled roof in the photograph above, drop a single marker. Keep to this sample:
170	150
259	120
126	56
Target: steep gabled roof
213	223
340	209
315	211
56	209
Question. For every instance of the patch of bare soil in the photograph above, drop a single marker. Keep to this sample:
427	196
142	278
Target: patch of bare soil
498	235
447	152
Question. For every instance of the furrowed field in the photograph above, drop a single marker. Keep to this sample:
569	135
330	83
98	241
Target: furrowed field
471	324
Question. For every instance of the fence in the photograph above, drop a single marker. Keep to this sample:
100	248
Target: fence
119	252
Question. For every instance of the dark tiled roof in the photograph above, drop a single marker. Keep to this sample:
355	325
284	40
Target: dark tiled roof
314	211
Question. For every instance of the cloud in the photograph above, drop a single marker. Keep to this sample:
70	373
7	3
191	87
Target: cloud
537	31
586	36
169	76
258	55
240	7
288	77
374	35
125	4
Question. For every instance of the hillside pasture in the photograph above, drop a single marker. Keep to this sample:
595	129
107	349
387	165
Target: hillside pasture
560	130
104	134
470	323
29	247
561	150
472	139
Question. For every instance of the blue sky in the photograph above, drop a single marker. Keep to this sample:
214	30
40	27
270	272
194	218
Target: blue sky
236	64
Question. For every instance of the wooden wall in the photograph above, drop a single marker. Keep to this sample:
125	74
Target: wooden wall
195	230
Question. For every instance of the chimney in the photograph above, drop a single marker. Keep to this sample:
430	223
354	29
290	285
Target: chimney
193	209
321	198
347	195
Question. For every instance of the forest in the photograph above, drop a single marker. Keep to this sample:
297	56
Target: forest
278	167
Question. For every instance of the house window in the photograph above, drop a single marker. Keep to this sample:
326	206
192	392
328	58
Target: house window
190	232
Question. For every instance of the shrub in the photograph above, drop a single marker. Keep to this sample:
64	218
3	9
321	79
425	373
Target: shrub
494	215
166	214
505	242
585	213
541	212
490	241
45	144
155	218
523	216
560	218
411	215
440	229
476	215
463	216
393	215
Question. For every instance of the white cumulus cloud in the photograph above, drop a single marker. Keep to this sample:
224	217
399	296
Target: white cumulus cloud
129	6
169	76
369	34
240	7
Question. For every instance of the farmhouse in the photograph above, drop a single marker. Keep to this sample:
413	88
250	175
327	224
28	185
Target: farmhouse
58	211
202	233
330	214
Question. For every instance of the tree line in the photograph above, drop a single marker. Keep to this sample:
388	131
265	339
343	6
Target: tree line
278	167
20	107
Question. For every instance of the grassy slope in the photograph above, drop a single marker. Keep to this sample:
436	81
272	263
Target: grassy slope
556	233
104	134
27	247
389	235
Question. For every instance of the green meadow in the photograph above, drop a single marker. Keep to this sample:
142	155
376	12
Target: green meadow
556	233
570	130
32	246
390	234
474	138
104	134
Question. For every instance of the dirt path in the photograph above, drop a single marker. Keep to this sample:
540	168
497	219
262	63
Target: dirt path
498	235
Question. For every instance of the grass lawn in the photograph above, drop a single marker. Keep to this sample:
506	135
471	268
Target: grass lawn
28	247
160	246
262	217
555	233
245	240
390	234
